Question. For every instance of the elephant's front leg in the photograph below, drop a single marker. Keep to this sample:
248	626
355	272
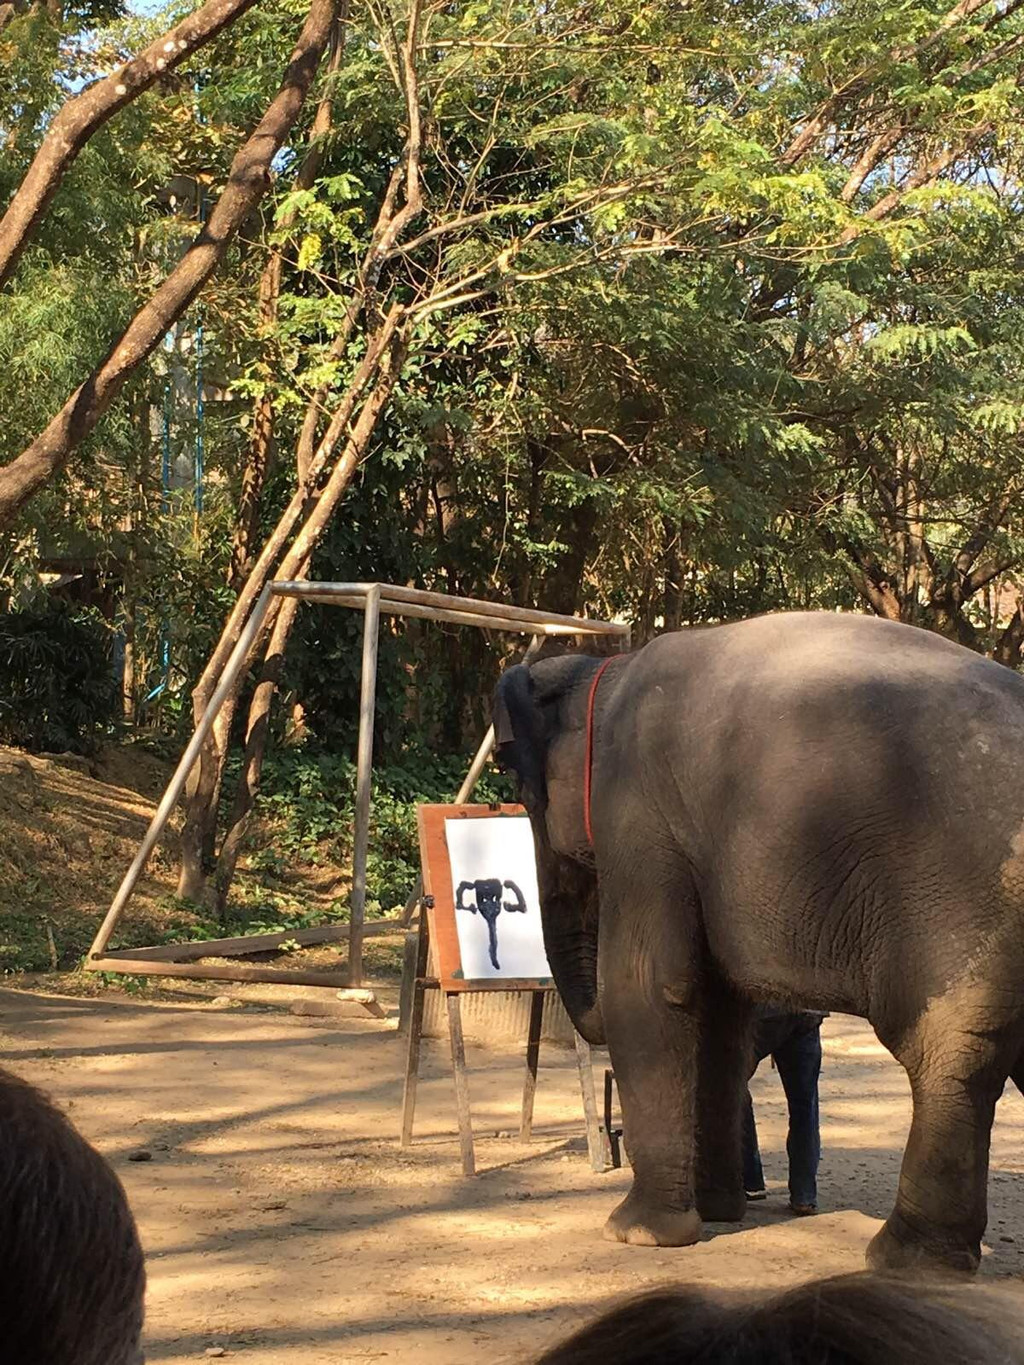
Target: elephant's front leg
650	1006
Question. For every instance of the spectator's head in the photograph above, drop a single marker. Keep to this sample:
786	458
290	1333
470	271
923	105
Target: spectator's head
857	1319
71	1266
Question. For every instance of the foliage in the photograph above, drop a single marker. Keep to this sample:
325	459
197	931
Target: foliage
307	813
56	679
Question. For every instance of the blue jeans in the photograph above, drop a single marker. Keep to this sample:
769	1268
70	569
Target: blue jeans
796	1050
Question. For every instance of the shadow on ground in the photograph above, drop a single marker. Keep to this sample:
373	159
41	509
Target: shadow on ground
284	1223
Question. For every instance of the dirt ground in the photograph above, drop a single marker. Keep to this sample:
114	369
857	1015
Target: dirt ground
283	1222
70	826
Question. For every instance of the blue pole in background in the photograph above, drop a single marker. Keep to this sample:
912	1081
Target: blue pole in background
198	471
197	476
165	503
165	472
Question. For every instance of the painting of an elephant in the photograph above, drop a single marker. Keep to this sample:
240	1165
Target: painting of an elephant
817	810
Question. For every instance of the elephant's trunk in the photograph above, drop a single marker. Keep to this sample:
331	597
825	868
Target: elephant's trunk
568	899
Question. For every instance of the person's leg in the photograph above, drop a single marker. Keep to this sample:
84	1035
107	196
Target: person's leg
764	1035
753	1174
799	1064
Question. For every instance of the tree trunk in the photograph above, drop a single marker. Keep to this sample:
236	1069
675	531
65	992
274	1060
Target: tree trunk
1011	642
247	182
674	574
203	793
257	464
257	459
258	728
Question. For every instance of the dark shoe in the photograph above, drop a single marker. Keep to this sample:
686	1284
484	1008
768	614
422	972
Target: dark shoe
803	1210
754	1195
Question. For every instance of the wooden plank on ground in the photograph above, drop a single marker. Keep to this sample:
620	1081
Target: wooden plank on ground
211	971
250	943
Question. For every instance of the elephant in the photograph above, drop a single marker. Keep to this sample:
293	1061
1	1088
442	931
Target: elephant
816	811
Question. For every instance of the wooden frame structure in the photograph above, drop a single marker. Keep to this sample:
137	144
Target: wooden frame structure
373	599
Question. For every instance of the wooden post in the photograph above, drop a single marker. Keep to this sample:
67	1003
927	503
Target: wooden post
461	1082
595	1141
410	975
532	1057
364	778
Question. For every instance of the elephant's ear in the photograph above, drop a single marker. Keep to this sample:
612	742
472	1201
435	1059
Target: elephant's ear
520	734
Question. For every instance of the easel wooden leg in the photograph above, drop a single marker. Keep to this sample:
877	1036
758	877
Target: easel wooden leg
412	1062
461	1082
414	1022
532	1056
595	1141
410	975
611	1133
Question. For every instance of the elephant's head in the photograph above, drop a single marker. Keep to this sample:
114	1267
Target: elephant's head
540	718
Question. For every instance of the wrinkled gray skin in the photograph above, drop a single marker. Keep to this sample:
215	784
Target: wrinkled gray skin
815	810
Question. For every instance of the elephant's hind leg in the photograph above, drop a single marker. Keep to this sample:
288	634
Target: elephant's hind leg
722	1069
958	1064
650	1005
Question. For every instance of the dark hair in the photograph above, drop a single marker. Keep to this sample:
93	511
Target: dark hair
859	1319
72	1275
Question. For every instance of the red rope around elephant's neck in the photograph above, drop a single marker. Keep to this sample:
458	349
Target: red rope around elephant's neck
588	762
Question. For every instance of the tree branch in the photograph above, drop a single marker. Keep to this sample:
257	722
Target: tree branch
867	577
993	517
876	151
823	116
924	174
83	115
257	461
981	577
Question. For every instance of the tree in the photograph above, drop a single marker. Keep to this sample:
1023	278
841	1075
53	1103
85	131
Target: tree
603	308
248	179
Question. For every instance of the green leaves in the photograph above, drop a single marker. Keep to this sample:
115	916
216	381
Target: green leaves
919	341
56	685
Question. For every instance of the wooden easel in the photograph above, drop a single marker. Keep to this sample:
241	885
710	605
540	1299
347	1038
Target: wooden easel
596	1143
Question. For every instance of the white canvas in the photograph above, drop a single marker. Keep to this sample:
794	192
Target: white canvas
489	850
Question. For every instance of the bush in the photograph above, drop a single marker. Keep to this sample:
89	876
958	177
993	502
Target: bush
310	800
57	689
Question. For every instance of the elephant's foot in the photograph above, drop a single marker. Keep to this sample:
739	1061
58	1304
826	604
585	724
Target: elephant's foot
896	1248
721	1206
648	1224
